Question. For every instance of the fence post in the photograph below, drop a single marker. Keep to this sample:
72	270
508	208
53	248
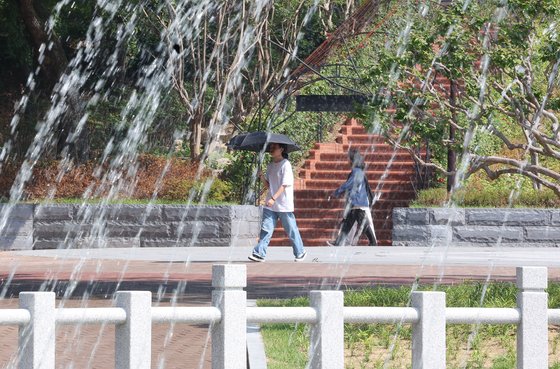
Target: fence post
133	339
532	332
37	339
326	349
428	335
229	336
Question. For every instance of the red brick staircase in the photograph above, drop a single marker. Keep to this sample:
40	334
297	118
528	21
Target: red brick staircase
327	167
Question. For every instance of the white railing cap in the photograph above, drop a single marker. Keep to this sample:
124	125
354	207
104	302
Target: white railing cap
229	276
532	278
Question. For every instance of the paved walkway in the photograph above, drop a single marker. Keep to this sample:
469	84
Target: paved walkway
479	256
156	269
162	271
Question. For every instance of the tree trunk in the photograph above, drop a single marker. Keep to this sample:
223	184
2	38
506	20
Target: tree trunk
52	67
55	60
451	154
196	135
535	162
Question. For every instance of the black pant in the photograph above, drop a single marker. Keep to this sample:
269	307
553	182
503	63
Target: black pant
356	215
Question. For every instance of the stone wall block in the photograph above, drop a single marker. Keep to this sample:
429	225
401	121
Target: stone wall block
418	217
513	217
134	213
487	234
174	213
201	229
53	213
245	212
399	215
441	233
60	230
17	227
543	234
245	229
555	218
18	211
411	233
447	216
16	242
137	230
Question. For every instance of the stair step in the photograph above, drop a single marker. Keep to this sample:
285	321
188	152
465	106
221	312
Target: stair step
339	203
323	193
383	203
353	130
323	242
378	155
342	175
324	232
319	223
331	184
365	147
365	138
324	214
370	157
370	166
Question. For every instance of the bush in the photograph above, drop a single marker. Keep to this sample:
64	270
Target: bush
220	191
479	192
176	186
431	197
177	189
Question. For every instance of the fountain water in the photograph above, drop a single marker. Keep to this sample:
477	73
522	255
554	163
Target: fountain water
118	166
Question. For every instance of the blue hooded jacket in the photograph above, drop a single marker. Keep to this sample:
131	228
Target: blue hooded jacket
356	188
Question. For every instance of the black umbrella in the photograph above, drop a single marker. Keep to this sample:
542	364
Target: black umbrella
256	141
234	142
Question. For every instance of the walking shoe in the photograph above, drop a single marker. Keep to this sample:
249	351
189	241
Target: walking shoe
256	257
332	243
301	257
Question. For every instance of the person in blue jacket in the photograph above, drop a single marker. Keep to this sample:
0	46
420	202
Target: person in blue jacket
359	198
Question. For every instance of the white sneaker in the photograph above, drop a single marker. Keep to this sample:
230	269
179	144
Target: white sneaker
301	257
257	258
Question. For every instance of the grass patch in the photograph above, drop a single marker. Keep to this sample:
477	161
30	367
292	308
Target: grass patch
377	345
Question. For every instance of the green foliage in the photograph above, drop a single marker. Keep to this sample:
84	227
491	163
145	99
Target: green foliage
370	345
501	193
15	53
426	48
206	191
220	191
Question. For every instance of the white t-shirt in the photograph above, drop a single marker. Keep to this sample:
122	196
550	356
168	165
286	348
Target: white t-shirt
280	174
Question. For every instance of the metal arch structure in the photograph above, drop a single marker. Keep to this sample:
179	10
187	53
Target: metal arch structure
315	62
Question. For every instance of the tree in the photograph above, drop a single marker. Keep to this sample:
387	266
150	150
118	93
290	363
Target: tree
208	62
459	73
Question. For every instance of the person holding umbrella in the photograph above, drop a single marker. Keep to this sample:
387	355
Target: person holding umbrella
279	204
279	180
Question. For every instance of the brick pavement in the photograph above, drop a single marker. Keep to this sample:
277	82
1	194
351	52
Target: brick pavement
176	346
184	345
264	279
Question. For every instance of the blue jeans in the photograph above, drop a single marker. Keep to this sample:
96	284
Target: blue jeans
267	228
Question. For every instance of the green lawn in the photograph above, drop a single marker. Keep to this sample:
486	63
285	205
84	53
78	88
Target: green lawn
376	345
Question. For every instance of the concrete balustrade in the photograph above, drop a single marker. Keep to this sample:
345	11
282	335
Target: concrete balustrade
134	315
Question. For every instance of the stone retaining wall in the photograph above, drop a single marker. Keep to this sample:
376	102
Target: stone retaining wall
72	226
476	227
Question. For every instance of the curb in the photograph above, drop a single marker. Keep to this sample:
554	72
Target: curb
256	355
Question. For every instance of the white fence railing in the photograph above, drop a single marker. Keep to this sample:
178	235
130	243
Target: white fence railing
134	315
